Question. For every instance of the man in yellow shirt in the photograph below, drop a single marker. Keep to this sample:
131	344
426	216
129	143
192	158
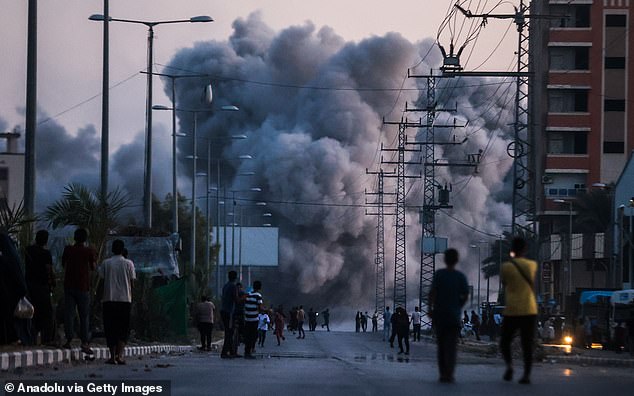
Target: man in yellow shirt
518	276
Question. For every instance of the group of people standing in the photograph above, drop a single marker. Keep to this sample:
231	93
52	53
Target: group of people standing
79	260
361	321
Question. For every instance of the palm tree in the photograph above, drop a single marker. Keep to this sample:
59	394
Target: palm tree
83	207
594	210
15	222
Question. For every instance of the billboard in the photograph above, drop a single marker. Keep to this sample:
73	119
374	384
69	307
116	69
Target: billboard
258	246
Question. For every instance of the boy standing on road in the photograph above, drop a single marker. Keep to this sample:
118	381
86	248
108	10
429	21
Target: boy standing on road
449	292
520	313
416	324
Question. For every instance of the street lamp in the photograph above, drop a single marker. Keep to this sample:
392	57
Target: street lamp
569	203
194	169
147	185
474	246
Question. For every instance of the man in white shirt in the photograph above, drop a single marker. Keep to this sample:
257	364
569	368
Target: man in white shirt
416	324
118	275
264	321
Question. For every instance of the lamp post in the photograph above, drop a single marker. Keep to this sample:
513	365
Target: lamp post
241	224
569	203
194	168
147	183
477	246
233	228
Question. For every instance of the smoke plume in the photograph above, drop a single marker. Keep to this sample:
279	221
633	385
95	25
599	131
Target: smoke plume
311	146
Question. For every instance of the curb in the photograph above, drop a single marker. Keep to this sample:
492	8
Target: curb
40	357
592	361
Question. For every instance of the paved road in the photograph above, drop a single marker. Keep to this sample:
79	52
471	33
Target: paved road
338	363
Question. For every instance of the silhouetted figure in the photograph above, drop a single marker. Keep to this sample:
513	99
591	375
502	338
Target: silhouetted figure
375	322
416	324
364	321
312	319
475	324
204	317
520	313
300	323
326	315
449	292
12	289
387	323
357	322
279	324
227	308
402	329
40	281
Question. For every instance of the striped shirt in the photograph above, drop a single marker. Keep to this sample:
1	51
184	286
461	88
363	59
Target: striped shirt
252	306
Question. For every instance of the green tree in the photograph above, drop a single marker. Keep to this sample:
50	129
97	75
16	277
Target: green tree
83	207
15	222
594	211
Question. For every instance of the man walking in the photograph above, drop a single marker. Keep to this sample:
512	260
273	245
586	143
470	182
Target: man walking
449	292
118	276
416	324
387	323
402	329
227	307
40	281
520	313
78	261
252	308
300	322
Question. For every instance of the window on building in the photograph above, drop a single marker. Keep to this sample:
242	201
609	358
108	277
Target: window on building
616	62
571	16
569	58
567	143
613	147
614	105
615	20
568	101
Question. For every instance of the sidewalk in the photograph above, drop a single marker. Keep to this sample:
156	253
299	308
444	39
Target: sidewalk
39	357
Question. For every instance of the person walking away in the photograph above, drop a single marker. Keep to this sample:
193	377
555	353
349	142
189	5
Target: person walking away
204	317
402	330
448	294
365	321
387	323
292	321
393	324
300	322
357	322
475	324
40	281
78	260
264	322
252	308
375	322
520	313
416	324
279	324
117	274
227	308
312	320
326	315
12	289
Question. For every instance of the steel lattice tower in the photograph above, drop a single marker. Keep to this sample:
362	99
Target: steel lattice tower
380	249
400	255
428	260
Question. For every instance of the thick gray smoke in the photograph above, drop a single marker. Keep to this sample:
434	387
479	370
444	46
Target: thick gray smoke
312	145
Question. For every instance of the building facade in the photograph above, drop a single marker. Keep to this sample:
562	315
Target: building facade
582	111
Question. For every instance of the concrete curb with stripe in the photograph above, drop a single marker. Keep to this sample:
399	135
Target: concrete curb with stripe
41	357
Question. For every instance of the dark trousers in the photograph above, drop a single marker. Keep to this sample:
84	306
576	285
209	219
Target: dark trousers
116	322
403	335
300	328
227	322
261	337
205	330
526	325
80	301
250	336
393	336
446	340
40	297
416	332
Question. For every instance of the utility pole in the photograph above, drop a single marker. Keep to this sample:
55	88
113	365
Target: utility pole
105	102
379	260
400	254
522	148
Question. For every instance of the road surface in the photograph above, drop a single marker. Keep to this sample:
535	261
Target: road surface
339	363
